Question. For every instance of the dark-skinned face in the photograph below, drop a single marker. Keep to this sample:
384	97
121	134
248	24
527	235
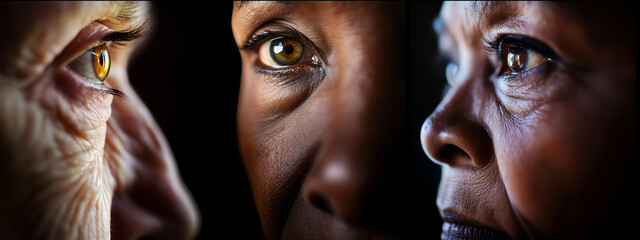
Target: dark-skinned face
538	126
320	118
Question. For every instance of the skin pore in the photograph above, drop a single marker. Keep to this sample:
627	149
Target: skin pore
321	137
539	147
79	159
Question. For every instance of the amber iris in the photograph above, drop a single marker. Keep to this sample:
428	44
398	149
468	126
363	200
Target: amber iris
286	51
101	61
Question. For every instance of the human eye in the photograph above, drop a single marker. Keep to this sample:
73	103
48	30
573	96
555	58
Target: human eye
528	73
94	64
101	46
519	54
520	59
284	54
281	52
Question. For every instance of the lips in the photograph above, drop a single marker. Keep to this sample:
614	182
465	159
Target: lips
455	228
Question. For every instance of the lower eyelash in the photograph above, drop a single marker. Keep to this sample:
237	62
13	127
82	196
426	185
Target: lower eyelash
291	75
108	90
276	72
117	93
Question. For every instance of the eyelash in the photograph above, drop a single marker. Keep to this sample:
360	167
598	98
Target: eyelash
291	73
253	41
114	40
496	47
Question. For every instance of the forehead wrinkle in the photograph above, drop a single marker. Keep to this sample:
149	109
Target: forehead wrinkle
492	13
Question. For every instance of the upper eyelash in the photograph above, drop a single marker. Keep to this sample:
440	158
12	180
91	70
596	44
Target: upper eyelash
119	38
531	43
258	37
492	46
282	31
113	91
285	31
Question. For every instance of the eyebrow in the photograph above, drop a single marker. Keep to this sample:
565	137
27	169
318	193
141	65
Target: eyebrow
488	13
129	13
492	13
281	2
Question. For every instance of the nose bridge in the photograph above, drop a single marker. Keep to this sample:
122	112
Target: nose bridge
365	117
455	132
152	199
457	103
362	98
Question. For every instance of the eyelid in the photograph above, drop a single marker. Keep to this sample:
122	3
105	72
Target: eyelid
91	36
277	29
120	37
525	41
256	40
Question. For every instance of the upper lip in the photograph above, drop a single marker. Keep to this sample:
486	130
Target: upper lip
458	227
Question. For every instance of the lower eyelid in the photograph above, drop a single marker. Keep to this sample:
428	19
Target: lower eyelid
533	89
530	78
300	74
74	81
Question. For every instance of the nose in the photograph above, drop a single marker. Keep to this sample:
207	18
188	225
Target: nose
352	176
150	200
358	172
455	133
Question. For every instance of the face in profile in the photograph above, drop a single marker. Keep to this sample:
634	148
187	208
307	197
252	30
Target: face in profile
320	118
537	131
81	157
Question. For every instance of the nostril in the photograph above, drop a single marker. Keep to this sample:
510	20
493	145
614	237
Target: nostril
320	202
450	153
450	150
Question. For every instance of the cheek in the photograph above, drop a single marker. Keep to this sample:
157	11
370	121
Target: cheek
548	162
54	148
271	119
277	140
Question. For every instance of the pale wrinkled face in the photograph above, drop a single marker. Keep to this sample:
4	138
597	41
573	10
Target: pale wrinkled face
78	160
536	134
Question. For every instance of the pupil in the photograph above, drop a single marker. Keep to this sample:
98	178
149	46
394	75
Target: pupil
288	49
517	58
101	59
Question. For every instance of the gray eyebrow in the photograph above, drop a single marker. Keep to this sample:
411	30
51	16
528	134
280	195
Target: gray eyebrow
281	2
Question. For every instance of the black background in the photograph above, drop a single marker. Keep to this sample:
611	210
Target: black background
188	75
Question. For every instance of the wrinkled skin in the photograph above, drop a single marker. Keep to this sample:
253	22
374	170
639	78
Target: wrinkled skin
75	162
548	156
323	145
